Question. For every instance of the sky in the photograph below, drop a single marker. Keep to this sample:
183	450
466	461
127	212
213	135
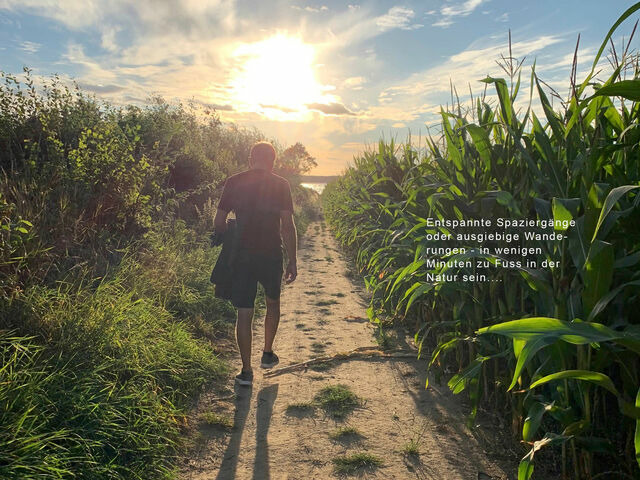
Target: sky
336	76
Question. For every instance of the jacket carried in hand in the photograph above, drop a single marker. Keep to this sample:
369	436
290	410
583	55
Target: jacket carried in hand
222	271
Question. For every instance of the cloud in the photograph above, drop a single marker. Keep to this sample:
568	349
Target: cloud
354	83
73	14
172	48
586	55
449	11
462	9
419	96
397	17
482	56
402	109
330	108
149	16
357	25
134	99
30	47
101	88
443	22
216	106
309	8
93	73
279	107
108	40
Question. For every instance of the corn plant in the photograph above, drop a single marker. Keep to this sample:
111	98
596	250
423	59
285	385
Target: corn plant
555	347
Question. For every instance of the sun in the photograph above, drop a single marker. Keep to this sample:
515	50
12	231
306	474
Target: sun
277	77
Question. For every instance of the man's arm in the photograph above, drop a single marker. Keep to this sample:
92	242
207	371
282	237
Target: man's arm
290	240
224	206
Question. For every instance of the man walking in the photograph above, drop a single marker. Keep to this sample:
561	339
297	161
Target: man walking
262	203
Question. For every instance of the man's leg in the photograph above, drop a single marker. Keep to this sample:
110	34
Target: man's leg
271	321
243	336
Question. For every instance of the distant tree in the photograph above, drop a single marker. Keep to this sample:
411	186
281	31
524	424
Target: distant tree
295	160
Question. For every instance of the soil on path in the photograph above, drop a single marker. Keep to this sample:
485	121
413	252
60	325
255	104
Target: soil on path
323	313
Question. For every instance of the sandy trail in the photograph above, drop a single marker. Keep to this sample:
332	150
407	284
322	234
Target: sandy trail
323	312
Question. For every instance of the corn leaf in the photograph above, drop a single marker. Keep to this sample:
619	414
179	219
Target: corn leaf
578	333
504	97
609	203
525	468
533	420
560	212
604	301
482	143
598	378
598	273
531	347
460	380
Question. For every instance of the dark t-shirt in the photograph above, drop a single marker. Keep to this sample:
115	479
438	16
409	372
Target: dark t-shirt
257	197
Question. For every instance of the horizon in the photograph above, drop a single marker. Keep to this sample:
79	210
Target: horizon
338	77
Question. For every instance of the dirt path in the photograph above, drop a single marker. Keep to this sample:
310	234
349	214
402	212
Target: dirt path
323	313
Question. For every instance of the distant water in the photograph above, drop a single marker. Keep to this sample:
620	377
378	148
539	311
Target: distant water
318	187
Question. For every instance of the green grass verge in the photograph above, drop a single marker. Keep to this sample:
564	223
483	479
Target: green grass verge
98	382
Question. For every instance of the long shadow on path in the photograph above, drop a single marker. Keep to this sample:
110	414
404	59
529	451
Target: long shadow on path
230	460
266	399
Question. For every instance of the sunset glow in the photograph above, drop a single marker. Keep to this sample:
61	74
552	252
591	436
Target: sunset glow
335	76
277	77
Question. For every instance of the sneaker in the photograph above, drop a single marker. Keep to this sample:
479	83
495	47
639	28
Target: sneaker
244	378
269	360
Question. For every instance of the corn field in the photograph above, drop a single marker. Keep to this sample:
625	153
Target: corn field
556	349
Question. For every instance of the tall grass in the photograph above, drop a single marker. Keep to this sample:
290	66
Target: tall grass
107	397
557	348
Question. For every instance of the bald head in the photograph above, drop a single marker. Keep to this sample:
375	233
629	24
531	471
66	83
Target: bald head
262	155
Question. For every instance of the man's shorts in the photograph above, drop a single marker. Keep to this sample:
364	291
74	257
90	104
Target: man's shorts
251	268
